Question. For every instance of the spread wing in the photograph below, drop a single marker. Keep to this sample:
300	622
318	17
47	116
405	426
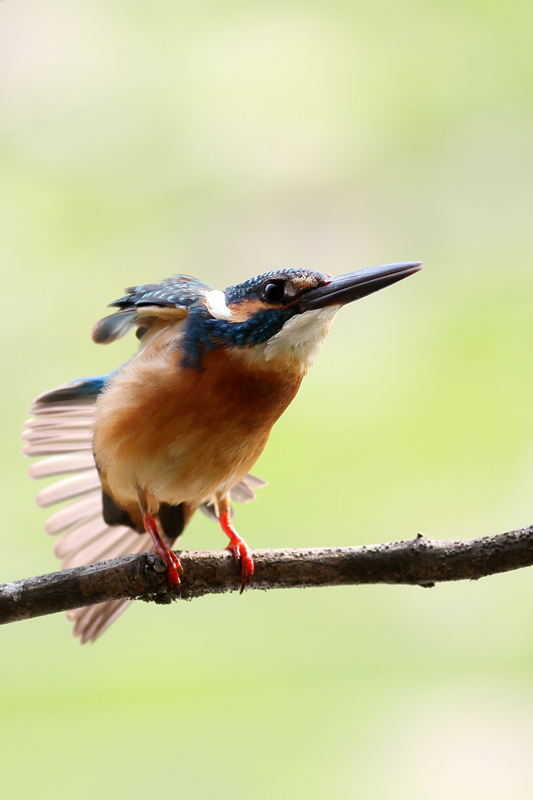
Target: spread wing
61	430
151	307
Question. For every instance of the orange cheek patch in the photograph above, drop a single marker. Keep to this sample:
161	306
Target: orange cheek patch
240	312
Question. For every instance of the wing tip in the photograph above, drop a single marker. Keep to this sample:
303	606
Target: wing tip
91	622
113	327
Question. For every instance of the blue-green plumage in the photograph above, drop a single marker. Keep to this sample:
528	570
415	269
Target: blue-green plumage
252	287
203	333
178	291
82	390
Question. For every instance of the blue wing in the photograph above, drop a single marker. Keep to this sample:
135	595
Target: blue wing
143	306
178	291
82	391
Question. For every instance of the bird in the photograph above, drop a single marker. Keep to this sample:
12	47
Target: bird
180	425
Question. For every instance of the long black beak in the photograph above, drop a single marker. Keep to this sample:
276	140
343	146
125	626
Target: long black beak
346	288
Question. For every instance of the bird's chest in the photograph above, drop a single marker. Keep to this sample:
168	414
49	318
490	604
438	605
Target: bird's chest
224	413
185	434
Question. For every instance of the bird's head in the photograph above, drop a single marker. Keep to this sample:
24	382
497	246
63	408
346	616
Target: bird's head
279	320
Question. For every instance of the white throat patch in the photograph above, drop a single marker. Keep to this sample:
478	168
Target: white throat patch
215	301
296	346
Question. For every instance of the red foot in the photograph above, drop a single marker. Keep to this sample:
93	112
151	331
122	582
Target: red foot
240	550
174	567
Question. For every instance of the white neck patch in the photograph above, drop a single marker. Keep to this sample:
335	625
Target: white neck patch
215	301
296	346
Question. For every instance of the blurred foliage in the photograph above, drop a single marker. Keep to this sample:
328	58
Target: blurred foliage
222	139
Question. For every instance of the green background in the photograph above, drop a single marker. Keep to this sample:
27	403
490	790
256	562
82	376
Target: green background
223	139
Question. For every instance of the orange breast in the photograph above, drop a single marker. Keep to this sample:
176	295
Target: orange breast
183	435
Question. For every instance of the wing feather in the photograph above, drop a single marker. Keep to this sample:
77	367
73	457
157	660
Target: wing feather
64	410
62	421
60	431
146	307
253	482
79	537
69	488
73	515
103	547
59	465
55	448
56	435
91	621
243	492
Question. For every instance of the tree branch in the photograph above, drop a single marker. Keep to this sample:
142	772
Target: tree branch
419	561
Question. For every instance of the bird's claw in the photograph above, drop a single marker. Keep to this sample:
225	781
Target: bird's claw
242	555
239	548
174	569
174	566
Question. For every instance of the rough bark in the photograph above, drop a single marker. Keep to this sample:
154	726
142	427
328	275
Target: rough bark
419	561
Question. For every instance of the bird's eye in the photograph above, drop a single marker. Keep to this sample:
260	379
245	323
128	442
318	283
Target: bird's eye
273	291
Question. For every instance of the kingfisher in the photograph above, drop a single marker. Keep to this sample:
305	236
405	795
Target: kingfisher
179	426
